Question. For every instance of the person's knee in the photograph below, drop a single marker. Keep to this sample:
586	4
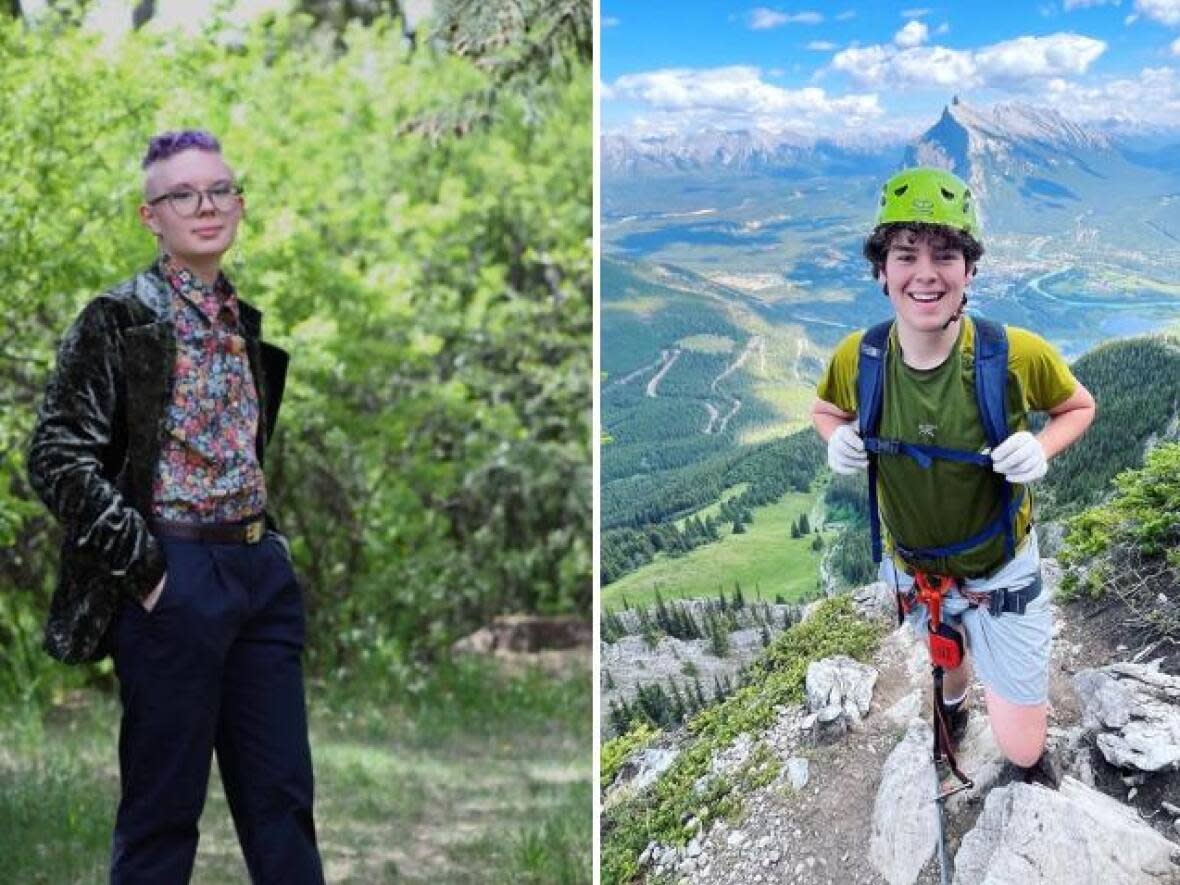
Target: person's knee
1019	729
1025	754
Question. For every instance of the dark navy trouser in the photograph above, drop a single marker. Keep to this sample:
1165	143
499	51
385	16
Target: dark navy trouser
215	665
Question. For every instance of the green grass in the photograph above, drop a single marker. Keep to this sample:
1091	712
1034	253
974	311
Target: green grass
478	777
766	557
714	509
1131	282
641	305
708	343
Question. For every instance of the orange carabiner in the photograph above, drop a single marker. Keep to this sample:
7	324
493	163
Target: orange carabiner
931	590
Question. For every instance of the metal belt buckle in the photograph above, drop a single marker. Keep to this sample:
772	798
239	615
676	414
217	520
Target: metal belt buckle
254	531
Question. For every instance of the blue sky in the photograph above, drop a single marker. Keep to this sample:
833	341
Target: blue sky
883	68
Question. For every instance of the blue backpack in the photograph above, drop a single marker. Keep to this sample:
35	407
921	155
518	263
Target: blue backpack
991	381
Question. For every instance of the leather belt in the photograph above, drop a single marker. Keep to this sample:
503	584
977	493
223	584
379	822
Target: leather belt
250	532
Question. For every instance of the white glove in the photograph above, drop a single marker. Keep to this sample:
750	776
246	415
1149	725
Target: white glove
1020	458
846	451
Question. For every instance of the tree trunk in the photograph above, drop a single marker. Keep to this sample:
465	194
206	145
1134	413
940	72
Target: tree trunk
14	8
144	12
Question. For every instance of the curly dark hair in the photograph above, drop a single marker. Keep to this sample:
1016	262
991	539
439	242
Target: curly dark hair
877	245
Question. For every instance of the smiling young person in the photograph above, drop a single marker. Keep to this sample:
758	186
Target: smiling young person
148	448
950	455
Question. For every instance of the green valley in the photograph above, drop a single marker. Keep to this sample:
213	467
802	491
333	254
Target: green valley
765	560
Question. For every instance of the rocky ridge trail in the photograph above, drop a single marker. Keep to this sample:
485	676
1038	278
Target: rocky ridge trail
853	800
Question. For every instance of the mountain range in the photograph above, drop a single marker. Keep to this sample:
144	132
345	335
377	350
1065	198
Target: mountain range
962	137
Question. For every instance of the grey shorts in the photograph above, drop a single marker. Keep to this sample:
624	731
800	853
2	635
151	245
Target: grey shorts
1010	652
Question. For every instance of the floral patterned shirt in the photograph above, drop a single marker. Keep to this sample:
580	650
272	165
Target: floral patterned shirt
208	469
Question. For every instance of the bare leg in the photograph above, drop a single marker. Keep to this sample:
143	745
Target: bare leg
1019	728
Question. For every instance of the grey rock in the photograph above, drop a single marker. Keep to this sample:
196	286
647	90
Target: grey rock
840	686
905	709
979	757
1135	712
905	826
1107	702
734	756
875	600
798	772
650	764
648	854
1035	836
830	713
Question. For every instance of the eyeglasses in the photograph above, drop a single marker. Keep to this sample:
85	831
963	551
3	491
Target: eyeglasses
187	202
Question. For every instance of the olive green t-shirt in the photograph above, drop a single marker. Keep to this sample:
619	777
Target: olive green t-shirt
948	502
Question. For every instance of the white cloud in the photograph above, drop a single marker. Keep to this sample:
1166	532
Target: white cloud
1001	64
821	45
914	13
1175	47
1078	4
913	34
763	19
1025	57
846	15
944	28
1166	11
610	22
1152	97
934	66
684	99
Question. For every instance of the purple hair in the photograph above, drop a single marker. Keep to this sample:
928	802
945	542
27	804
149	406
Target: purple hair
167	144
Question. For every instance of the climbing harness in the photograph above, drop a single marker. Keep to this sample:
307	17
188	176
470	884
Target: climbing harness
991	382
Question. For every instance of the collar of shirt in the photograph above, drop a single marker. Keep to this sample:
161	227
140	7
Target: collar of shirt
209	301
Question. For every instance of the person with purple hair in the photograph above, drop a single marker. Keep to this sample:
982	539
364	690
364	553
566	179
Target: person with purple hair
148	448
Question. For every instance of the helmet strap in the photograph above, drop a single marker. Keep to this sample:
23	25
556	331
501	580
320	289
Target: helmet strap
957	314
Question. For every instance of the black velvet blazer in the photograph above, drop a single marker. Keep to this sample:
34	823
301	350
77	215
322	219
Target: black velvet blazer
93	453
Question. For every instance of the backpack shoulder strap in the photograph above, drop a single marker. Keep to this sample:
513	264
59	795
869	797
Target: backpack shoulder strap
870	378
991	379
870	393
991	396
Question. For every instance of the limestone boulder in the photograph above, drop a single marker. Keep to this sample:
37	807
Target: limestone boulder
1030	835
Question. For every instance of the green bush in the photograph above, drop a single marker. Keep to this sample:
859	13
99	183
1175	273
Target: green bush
418	234
1139	526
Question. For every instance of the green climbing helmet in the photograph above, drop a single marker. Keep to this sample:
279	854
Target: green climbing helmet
934	196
